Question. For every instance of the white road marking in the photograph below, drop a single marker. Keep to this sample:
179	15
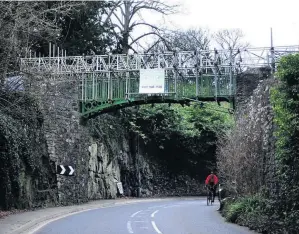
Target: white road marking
172	206
156	228
153	214
153	207
129	227
135	213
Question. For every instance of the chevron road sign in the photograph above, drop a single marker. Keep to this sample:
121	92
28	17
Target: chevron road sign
65	170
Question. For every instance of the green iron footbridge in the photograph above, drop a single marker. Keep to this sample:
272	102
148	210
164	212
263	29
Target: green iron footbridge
109	82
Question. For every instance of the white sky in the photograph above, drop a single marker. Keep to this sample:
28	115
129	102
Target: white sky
254	17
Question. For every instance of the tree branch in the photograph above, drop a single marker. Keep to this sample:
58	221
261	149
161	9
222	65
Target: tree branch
111	12
143	23
157	6
144	35
119	20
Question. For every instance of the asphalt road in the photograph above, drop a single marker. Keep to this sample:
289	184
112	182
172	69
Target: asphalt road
167	217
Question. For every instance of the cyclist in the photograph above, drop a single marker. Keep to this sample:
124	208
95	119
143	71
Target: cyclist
211	182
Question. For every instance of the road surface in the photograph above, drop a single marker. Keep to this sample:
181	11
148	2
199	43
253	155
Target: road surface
167	217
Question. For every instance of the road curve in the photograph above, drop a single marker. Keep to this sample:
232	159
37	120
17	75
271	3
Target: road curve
177	216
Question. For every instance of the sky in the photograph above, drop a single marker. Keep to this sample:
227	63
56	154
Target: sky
254	17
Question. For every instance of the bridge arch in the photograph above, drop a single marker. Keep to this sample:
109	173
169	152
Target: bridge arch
93	108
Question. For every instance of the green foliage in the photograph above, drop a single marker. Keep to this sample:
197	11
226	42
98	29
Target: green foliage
185	137
242	207
82	31
255	212
285	100
211	117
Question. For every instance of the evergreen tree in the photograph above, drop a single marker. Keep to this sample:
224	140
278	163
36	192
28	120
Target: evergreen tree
79	31
82	32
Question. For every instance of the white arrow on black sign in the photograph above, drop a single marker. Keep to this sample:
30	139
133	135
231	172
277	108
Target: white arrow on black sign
71	170
62	170
65	170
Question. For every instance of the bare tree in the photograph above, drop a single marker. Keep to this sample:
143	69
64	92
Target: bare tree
23	23
187	40
230	39
125	16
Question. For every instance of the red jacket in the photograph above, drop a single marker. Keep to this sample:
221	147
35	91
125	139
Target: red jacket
209	177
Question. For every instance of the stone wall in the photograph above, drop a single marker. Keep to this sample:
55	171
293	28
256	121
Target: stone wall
67	139
247	82
256	111
246	158
27	176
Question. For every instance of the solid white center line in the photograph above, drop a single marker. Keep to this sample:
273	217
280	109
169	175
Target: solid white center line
153	214
135	213
129	227
156	228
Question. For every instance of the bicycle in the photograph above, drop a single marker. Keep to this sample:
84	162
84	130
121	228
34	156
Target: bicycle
210	197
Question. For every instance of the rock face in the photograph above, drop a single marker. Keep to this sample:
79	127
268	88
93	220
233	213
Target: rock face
27	177
257	114
121	158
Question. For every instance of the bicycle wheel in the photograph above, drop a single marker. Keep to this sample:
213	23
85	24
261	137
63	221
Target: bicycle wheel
209	198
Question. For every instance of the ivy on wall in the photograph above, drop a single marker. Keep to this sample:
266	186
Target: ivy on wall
285	99
24	162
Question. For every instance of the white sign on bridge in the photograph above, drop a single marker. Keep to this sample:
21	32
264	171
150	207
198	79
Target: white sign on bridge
152	81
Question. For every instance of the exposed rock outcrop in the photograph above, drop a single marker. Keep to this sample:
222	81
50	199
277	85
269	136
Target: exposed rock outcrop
121	158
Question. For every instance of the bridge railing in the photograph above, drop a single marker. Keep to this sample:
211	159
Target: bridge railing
180	84
121	62
205	60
